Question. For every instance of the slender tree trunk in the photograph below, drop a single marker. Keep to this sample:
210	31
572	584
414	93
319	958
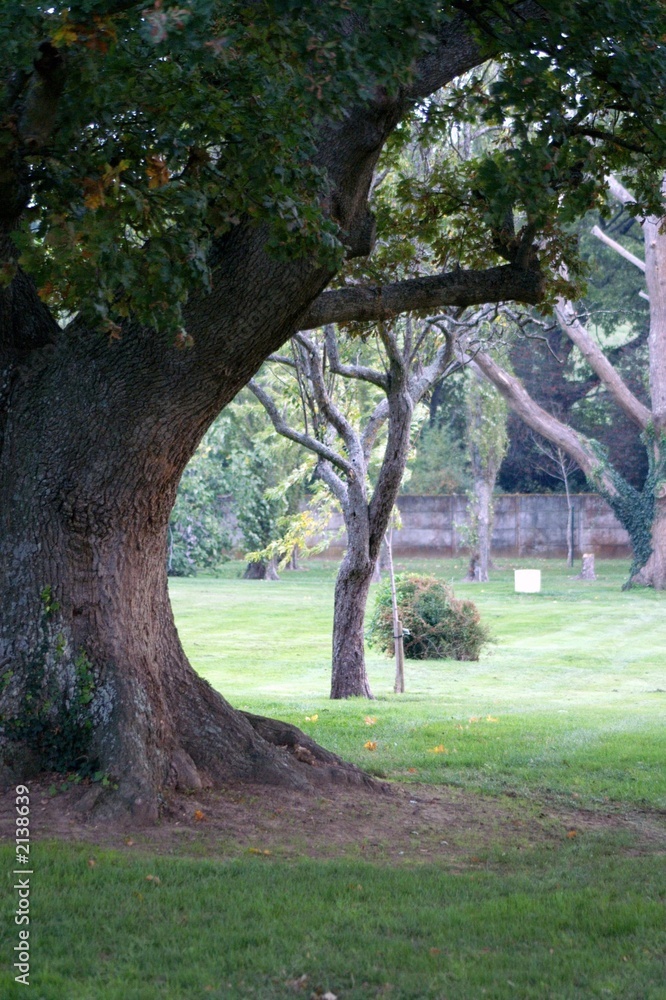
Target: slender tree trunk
484	520
482	507
349	678
570	522
398	641
570	532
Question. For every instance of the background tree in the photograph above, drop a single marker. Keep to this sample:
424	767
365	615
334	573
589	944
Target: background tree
199	534
486	440
549	366
366	509
560	466
203	174
642	513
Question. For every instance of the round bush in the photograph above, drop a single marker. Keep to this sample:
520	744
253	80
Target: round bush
436	624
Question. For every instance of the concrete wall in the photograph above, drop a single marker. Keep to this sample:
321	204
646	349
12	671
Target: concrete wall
525	525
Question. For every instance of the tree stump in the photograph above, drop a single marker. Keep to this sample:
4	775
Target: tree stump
587	569
261	570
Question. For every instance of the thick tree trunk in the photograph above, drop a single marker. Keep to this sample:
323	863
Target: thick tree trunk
94	439
653	571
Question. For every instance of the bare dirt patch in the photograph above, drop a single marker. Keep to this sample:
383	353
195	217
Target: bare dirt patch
407	824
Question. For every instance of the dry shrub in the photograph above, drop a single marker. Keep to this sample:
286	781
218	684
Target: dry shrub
436	624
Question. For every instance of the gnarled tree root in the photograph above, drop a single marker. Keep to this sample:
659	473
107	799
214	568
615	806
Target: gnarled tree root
325	766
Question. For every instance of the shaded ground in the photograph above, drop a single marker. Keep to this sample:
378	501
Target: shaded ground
414	823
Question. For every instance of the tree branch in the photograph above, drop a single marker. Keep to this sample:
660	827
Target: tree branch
282	427
329	410
436	369
334	483
349	371
600	364
618	248
578	447
619	191
363	303
373	427
282	359
459	49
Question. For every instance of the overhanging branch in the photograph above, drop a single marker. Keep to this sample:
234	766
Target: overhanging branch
363	303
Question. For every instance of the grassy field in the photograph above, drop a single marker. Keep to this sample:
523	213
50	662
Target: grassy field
564	710
571	698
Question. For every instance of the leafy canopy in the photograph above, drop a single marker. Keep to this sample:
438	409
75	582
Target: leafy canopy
141	133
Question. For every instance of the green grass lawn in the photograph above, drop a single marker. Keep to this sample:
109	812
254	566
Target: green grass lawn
574	686
567	707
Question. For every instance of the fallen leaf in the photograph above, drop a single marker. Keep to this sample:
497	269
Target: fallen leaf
91	862
440	748
311	718
572	833
491	718
370	720
256	850
199	815
370	745
129	842
153	878
435	951
412	770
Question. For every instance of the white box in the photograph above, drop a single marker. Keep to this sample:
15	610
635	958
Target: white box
527	581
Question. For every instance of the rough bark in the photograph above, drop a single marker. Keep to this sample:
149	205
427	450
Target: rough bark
349	678
95	440
453	288
479	564
587	568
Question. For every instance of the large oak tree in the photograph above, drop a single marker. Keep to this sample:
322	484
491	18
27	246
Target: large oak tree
178	184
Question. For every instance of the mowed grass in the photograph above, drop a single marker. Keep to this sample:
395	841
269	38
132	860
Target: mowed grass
252	928
566	708
570	699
